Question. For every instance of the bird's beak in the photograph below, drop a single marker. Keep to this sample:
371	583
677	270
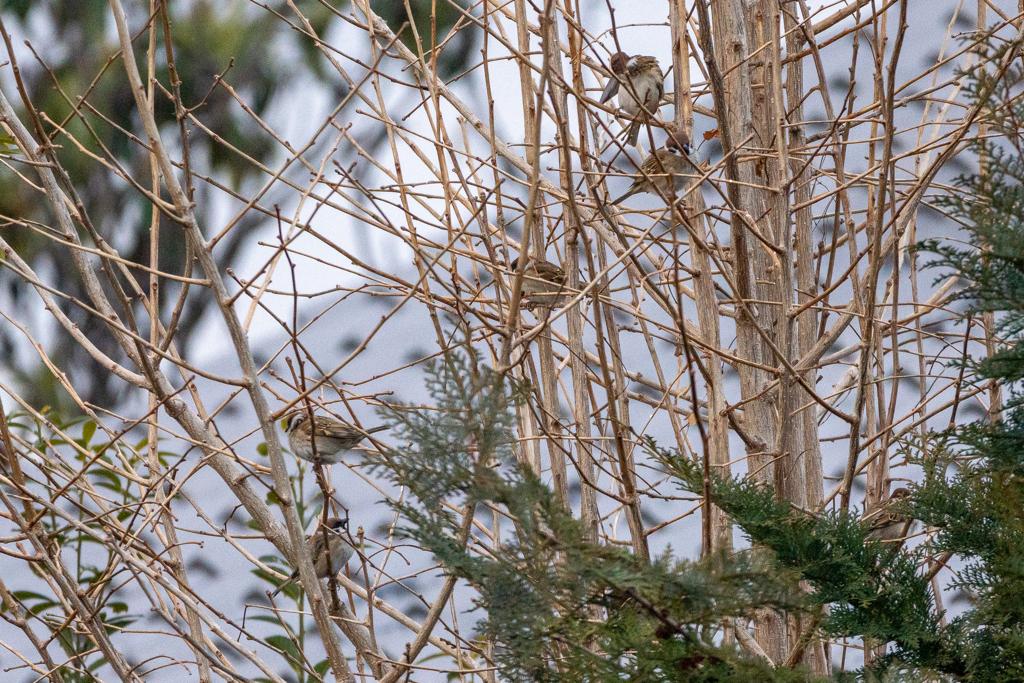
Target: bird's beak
609	90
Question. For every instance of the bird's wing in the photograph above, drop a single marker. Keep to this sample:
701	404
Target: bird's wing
888	516
550	272
338	431
883	519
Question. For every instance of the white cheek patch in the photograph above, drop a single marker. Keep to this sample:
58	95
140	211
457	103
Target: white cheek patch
632	62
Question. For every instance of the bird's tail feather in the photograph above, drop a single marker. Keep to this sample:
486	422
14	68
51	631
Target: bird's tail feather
634	133
629	193
289	581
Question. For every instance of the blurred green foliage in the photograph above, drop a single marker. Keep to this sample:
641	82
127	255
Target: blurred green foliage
252	49
456	49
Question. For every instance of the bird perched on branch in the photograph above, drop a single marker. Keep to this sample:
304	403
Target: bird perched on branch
663	167
539	276
543	282
889	523
340	551
333	438
640	85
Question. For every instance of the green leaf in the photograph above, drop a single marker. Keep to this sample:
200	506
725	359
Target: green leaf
266	576
322	667
36	602
287	647
262	449
269	620
108	480
87	432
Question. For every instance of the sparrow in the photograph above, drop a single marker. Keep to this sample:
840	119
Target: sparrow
539	276
889	523
640	85
543	282
333	438
341	552
670	159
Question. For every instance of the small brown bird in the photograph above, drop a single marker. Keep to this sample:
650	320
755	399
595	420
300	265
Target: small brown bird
543	282
539	276
640	85
888	524
333	438
341	552
662	167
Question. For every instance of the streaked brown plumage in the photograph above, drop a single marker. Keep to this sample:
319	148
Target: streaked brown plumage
544	283
539	276
661	168
333	438
890	524
640	85
341	551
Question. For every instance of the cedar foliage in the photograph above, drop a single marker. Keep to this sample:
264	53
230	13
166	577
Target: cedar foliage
540	588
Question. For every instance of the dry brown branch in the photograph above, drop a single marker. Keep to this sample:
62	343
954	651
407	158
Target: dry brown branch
767	316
